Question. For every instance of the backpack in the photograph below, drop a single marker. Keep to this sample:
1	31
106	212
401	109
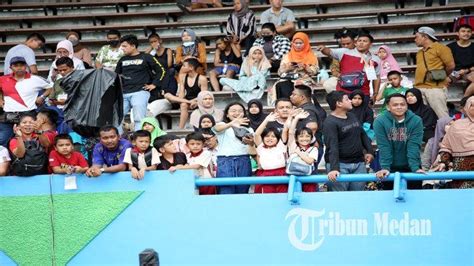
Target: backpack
35	161
148	157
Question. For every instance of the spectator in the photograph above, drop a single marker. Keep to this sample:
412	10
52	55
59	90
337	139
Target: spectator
45	127
19	94
170	157
399	134
200	160
80	51
345	39
463	53
457	147
63	159
189	5
358	61
26	50
283	109
391	87
301	98
271	154
108	154
151	125
64	49
252	78
165	57
348	149
362	111
227	61
140	74
29	157
241	25
206	105
233	158
58	97
191	47
141	156
211	145
428	116
255	113
4	161
109	54
387	62
274	45
299	66
206	121
282	17
434	64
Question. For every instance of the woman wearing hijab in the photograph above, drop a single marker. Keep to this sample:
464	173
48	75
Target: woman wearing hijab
253	75
80	51
299	66
64	48
151	125
361	109
241	25
429	117
255	113
191	47
205	101
457	147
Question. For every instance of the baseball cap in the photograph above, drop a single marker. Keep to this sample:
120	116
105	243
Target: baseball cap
428	31
17	59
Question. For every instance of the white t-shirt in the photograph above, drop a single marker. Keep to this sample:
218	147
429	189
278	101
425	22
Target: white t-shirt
155	158
312	152
205	161
28	91
272	158
4	155
230	145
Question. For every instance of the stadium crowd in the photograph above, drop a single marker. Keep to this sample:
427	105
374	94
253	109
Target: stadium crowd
414	130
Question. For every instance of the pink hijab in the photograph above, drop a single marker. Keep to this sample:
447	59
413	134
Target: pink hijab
389	63
65	44
196	114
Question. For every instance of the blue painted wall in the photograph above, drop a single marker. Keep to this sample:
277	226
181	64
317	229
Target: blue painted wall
266	229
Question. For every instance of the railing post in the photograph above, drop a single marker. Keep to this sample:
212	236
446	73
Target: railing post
292	197
399	187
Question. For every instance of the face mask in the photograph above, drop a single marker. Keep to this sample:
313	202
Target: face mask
267	37
114	43
187	44
74	41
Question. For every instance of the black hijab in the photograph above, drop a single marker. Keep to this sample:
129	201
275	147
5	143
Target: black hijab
255	119
363	112
427	114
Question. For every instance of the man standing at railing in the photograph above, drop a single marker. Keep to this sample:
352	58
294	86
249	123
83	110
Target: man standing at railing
399	134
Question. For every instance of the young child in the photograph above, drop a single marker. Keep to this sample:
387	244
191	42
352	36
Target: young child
255	113
253	75
189	87
271	154
151	125
206	121
388	62
300	145
363	112
169	153
63	159
394	80
141	157
227	61
233	159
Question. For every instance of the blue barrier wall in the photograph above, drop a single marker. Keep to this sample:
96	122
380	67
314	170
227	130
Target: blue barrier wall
427	227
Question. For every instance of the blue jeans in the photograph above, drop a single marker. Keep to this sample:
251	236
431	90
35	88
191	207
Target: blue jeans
6	133
348	168
233	166
137	101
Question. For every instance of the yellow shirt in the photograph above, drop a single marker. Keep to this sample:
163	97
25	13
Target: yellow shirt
437	56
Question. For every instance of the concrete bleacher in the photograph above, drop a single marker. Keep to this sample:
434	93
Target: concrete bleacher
320	19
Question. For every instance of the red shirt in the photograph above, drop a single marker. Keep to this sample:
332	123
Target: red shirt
49	134
14	142
56	159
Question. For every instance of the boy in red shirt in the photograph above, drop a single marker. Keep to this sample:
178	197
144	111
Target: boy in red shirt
63	159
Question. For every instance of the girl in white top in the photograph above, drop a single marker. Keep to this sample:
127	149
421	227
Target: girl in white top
299	141
272	154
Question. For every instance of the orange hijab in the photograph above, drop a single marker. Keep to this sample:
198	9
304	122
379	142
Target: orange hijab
306	55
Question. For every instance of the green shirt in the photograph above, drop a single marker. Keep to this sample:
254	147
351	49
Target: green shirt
389	91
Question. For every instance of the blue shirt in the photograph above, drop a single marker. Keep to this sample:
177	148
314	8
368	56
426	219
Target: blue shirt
103	156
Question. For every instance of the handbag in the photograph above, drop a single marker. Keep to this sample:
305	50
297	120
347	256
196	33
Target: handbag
435	75
352	81
295	167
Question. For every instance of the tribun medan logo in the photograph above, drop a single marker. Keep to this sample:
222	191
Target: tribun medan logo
308	228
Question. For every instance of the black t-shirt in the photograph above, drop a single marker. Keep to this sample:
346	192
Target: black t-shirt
463	56
275	124
345	141
138	70
178	158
